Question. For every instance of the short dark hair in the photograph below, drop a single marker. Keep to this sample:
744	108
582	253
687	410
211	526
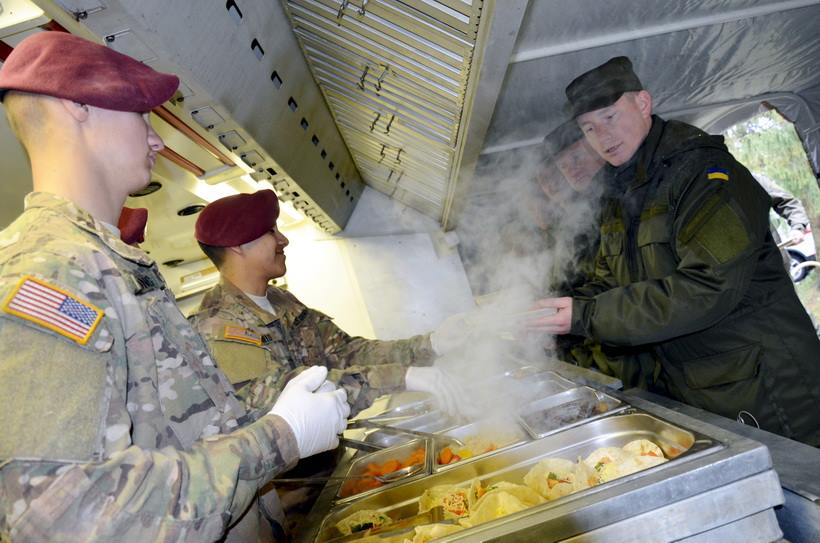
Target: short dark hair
216	254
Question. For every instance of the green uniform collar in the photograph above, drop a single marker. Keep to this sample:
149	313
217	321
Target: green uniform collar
227	295
87	222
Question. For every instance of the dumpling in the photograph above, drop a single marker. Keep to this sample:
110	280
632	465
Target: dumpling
454	499
362	520
492	506
423	534
554	478
643	447
524	493
608	462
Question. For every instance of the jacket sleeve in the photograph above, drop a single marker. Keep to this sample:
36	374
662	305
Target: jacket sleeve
57	480
718	232
368	368
784	202
601	281
146	495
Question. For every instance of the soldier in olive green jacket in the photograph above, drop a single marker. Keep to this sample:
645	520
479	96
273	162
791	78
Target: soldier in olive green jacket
571	164
115	424
688	266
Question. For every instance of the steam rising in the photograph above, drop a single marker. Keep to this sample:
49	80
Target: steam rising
520	233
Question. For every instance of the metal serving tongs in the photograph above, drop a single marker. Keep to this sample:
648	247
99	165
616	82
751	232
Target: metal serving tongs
391	477
435	437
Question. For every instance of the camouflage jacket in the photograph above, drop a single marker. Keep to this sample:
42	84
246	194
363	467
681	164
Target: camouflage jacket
115	423
251	345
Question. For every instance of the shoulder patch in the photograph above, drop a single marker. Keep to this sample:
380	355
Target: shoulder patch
242	334
719	174
53	308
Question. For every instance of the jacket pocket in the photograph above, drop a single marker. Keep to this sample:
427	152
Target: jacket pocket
723	368
612	243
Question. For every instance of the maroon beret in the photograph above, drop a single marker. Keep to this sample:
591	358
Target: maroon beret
237	219
66	66
132	224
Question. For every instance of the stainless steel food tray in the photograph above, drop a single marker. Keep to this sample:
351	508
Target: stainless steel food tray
505	431
682	445
567	410
359	465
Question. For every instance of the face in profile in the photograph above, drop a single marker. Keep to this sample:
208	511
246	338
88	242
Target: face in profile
579	163
553	184
617	131
127	144
267	253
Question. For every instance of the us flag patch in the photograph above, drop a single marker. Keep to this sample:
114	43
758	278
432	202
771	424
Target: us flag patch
242	334
53	308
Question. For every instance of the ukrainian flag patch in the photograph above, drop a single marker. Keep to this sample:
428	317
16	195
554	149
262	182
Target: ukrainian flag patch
720	174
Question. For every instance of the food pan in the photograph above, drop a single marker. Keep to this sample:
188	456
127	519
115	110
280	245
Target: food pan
432	422
357	484
678	444
502	433
520	386
544	384
567	409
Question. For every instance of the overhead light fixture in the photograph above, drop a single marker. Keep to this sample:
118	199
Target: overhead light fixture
192	209
150	188
18	16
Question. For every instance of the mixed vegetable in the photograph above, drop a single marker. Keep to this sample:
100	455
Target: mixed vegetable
372	470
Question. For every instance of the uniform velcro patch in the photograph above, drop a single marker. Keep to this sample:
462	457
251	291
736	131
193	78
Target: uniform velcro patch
242	334
53	308
719	174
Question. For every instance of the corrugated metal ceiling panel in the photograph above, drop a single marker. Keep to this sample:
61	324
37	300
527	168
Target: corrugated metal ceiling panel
394	75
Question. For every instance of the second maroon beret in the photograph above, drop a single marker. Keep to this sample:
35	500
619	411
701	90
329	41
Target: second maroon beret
237	219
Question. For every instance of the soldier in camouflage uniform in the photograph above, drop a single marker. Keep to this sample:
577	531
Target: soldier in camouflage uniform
116	424
254	328
687	266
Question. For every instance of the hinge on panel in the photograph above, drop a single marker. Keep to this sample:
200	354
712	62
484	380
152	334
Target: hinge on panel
364	75
381	78
341	12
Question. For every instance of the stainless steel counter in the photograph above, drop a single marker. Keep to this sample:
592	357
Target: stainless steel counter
726	490
797	465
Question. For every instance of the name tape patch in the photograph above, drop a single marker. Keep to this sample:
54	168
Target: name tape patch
242	334
53	308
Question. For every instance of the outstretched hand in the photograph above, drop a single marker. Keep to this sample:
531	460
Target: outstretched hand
558	323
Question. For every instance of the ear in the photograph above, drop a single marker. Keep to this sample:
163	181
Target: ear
78	111
644	101
237	250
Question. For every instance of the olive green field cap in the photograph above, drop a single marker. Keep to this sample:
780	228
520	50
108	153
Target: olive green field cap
602	86
562	137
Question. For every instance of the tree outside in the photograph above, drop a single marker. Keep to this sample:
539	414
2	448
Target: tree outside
768	143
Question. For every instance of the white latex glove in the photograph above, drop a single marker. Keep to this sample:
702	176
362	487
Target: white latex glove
447	393
453	332
314	409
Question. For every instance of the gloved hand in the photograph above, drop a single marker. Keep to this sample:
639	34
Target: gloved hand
453	332
447	393
314	409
